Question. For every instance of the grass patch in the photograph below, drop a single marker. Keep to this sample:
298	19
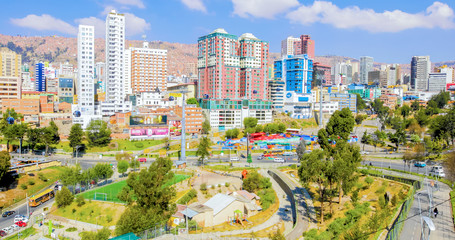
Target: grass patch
17	194
227	168
26	233
112	190
123	144
452	201
101	213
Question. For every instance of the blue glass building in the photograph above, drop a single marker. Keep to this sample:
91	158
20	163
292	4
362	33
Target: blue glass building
40	78
296	71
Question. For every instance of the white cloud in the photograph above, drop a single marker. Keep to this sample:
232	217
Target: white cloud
44	22
195	5
135	3
438	15
135	25
262	8
100	25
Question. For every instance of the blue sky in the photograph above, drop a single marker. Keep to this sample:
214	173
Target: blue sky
389	30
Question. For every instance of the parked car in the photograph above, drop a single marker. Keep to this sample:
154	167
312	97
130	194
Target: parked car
364	153
288	154
3	233
142	160
21	224
8	213
437	171
5	230
420	164
235	159
279	160
14	227
260	157
19	218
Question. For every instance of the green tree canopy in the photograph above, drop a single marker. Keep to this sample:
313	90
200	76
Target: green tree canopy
203	149
122	166
76	136
64	197
341	124
98	134
149	198
206	127
254	182
5	163
250	122
360	103
192	101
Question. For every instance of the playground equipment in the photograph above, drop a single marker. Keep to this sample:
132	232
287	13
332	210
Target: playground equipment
239	218
244	173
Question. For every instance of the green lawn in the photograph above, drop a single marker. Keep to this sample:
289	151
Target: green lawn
24	234
123	144
114	189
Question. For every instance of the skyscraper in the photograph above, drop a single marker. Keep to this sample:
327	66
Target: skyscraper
366	65
115	49
231	67
148	69
420	70
40	78
10	75
297	46
296	72
232	75
86	69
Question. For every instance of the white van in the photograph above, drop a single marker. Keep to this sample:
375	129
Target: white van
279	160
235	159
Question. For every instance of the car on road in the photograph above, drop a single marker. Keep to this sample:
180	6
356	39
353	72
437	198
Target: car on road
6	230
364	153
142	160
14	227
19	218
260	157
279	160
289	154
437	171
8	213
420	164
3	233
21	224
235	159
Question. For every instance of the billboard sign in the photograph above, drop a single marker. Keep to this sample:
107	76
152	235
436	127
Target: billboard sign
148	120
149	132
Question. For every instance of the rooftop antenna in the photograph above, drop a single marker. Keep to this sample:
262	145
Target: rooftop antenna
145	44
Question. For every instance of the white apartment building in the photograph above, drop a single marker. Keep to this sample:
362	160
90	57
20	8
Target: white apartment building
115	50
287	46
420	70
366	65
86	63
127	72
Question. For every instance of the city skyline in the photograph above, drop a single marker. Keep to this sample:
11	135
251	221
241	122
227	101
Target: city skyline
365	28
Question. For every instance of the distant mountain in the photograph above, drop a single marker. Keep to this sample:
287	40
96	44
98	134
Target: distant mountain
182	58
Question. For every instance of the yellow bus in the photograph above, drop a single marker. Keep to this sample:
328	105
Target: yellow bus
41	198
274	152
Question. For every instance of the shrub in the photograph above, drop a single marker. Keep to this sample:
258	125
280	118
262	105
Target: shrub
187	197
394	200
23	186
203	187
73	210
369	180
71	229
139	145
80	200
108	218
267	198
227	184
355	197
31	182
42	177
294	166
213	186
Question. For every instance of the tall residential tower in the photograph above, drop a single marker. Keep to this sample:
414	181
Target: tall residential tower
366	65
86	66
420	70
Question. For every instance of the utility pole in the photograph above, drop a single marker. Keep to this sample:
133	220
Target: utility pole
183	142
320	104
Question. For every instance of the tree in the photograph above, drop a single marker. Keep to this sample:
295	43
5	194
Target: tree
149	198
123	156
122	166
360	103
64	197
232	133
421	117
98	134
255	182
341	124
366	138
192	101
441	99
250	122
5	163
206	127
381	110
314	167
277	235
359	118
33	137
415	105
258	128
203	149
405	111
134	164
70	176
76	136
103	170
281	127
439	128
48	136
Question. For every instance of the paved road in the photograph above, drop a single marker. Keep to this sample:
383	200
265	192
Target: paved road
22	210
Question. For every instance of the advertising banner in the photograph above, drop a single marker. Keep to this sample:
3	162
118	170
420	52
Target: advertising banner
148	133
